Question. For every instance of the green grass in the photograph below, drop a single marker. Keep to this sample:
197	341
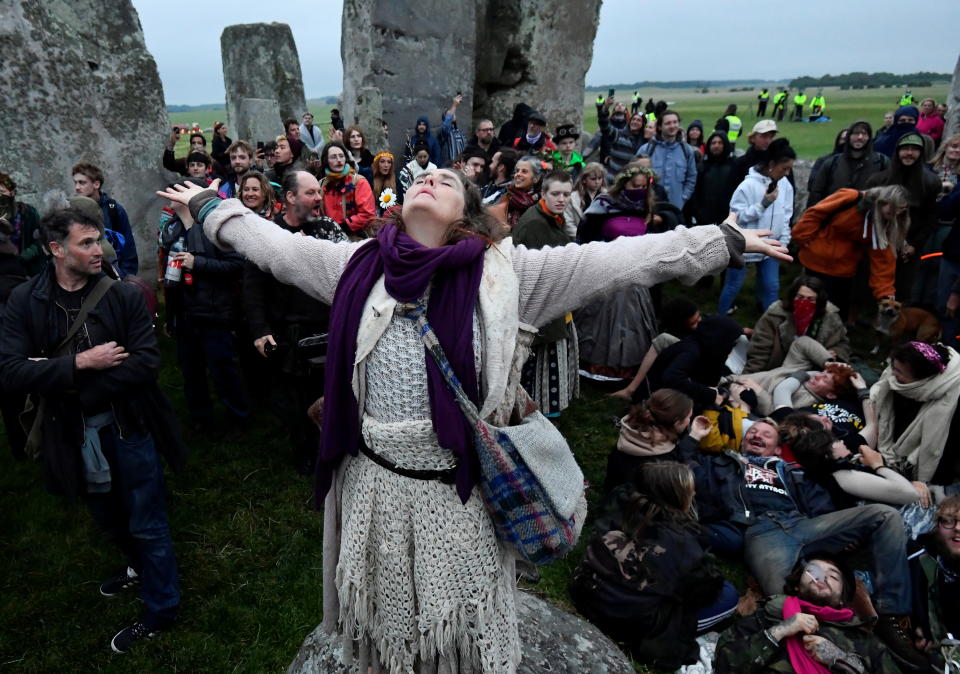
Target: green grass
809	140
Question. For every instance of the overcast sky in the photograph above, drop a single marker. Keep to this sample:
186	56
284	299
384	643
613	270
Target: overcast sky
637	40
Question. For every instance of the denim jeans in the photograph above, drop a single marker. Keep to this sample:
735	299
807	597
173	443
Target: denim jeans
768	284
949	273
202	348
723	538
133	514
775	544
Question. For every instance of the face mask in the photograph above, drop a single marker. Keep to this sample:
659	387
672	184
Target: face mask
636	195
803	311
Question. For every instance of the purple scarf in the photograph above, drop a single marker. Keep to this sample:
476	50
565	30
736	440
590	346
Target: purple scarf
408	268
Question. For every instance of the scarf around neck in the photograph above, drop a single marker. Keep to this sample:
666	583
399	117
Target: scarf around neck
519	202
801	661
918	450
558	219
408	269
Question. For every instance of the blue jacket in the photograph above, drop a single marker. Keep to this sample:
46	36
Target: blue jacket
675	164
115	218
427	137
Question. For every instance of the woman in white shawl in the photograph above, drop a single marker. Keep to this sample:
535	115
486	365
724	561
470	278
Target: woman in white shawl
916	399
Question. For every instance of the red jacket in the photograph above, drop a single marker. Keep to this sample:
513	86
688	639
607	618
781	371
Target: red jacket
354	195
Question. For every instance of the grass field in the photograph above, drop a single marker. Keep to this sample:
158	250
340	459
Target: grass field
809	140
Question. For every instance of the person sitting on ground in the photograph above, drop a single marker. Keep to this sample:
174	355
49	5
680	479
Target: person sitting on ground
837	232
809	628
850	478
387	190
757	205
645	579
651	431
551	373
935	578
678	318
916	399
591	183
786	514
347	196
804	311
419	164
695	364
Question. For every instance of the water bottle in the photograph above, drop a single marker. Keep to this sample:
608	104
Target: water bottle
174	266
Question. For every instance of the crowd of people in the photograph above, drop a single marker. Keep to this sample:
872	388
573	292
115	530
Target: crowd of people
309	271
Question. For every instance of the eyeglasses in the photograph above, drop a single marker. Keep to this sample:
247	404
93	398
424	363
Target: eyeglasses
947	522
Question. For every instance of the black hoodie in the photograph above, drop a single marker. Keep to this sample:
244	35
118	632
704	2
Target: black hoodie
843	170
516	126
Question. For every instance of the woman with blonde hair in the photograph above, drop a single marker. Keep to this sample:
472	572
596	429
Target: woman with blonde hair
835	234
415	577
946	162
591	183
387	190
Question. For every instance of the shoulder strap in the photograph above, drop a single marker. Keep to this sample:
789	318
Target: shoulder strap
92	300
113	213
418	313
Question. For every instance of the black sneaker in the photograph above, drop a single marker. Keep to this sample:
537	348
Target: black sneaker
896	632
124	640
122	581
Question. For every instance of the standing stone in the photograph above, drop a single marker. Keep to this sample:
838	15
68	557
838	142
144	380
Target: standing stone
260	60
418	55
497	53
257	119
368	115
953	105
552	641
78	84
536	52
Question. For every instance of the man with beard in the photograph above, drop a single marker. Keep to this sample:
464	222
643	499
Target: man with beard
286	323
24	223
241	157
485	140
809	628
850	168
784	514
935	574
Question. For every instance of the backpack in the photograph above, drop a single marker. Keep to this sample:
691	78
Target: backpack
684	146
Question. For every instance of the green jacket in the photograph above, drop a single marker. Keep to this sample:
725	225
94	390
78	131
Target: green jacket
536	229
745	648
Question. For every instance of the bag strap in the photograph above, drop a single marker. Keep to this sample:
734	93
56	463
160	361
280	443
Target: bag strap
417	312
92	300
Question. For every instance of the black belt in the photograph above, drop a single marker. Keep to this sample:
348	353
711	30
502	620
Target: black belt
447	475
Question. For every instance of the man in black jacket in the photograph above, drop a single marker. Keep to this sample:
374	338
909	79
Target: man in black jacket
850	168
203	312
102	407
281	317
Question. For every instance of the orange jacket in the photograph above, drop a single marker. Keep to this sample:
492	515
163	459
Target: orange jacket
832	241
335	197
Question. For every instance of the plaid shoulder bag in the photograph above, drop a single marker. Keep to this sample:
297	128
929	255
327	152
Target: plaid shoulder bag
530	481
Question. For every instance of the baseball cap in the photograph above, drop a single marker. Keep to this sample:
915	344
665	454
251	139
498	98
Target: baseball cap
765	126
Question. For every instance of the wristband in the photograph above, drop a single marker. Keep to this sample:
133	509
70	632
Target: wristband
773	639
863	394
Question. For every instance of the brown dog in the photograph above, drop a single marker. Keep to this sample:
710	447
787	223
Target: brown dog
901	324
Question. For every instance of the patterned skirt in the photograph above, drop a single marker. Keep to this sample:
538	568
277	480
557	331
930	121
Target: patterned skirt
551	373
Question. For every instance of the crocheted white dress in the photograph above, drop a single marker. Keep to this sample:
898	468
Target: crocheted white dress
423	584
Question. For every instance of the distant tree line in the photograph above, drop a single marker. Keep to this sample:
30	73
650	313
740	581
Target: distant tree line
680	84
861	80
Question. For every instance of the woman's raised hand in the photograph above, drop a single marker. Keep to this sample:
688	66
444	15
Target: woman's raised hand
757	242
184	193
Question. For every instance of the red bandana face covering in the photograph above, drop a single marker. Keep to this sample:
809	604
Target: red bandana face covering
803	311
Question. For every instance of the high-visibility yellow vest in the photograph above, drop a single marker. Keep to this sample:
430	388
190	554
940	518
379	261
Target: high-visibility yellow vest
764	95
778	99
818	102
800	99
735	126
